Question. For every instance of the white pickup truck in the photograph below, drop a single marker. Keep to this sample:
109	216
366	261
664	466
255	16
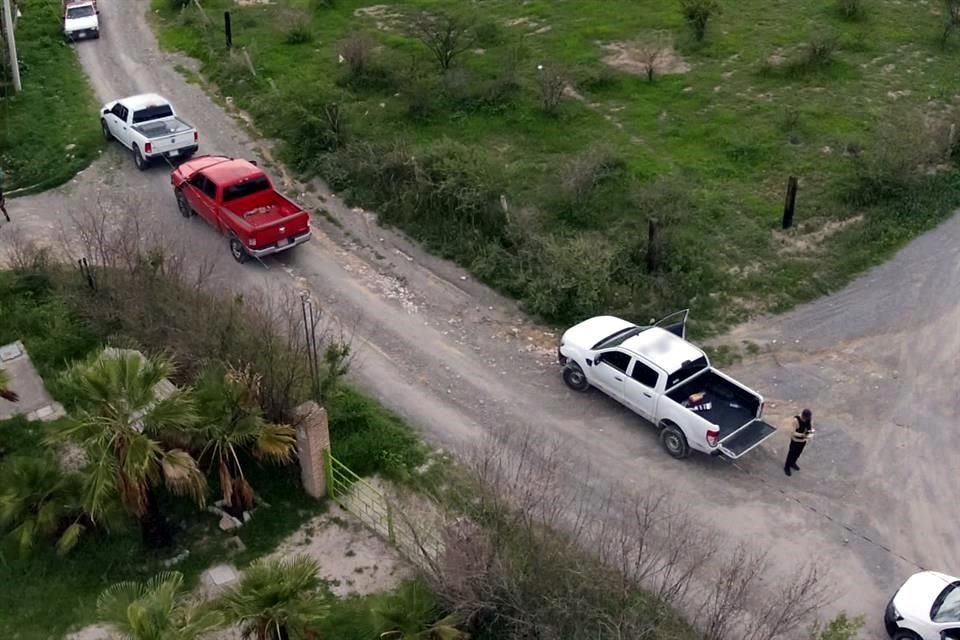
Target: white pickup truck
148	126
655	372
80	19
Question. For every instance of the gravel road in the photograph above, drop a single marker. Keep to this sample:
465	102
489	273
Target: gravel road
454	358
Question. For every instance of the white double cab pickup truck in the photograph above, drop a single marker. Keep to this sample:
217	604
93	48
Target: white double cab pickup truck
148	126
655	372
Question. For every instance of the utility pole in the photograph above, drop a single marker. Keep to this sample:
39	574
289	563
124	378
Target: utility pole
12	45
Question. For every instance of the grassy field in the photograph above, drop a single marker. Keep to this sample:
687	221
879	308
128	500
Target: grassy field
56	330
858	108
49	131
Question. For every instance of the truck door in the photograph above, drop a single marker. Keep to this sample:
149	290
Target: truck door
116	121
609	371
675	323
639	389
201	194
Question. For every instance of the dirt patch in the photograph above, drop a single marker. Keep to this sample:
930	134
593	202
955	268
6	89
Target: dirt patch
631	57
352	558
385	16
252	3
812	242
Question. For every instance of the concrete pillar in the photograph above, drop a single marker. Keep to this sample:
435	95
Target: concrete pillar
313	437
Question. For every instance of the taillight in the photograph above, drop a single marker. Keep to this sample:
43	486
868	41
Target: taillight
712	436
196	136
148	147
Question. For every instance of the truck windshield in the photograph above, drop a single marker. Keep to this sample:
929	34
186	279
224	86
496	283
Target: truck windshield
246	188
152	113
81	12
616	339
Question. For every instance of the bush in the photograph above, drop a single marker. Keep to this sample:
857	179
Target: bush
299	31
552	83
315	125
852	10
697	14
578	181
820	50
489	33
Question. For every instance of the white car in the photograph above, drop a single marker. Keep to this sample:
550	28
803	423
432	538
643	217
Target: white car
926	607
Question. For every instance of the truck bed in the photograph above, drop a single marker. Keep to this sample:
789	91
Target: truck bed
162	128
731	406
263	208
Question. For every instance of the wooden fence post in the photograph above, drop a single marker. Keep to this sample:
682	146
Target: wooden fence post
790	202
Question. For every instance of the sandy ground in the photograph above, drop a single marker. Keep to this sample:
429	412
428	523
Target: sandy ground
875	361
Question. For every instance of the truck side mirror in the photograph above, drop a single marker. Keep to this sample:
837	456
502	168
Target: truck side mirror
105	111
254	163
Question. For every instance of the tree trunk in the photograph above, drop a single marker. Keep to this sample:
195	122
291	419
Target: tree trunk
155	531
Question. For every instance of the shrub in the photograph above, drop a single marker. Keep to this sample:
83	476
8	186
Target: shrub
179	5
321	5
820	50
697	13
852	10
447	36
843	627
488	33
578	180
356	51
299	31
552	83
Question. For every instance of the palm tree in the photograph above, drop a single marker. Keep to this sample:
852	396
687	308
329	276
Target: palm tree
121	421
412	614
278	600
38	502
156	610
5	391
228	403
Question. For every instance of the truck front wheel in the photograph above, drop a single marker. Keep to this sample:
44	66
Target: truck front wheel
183	205
106	131
674	442
237	251
574	377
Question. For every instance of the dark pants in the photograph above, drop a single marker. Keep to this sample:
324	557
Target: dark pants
796	448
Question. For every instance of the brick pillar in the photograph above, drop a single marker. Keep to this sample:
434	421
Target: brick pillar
313	436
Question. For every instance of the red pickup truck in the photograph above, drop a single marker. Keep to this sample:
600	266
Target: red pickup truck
238	199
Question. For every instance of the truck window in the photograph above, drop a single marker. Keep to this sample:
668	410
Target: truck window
152	113
209	188
246	188
118	111
616	359
80	12
645	375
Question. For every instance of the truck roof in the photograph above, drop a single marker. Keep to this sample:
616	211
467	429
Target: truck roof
230	170
143	100
662	348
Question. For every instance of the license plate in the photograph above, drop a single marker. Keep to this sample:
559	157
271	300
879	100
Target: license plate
284	242
174	153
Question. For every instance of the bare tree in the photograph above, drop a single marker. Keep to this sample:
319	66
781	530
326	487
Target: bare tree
651	53
446	35
951	16
552	81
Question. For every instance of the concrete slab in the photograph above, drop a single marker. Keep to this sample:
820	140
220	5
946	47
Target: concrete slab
35	402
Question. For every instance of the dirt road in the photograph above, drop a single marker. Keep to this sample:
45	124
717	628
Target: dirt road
454	358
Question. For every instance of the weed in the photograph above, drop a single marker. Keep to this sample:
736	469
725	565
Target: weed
299	31
697	14
852	10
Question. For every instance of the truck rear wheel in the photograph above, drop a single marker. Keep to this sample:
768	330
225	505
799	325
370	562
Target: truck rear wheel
138	158
674	442
574	377
237	251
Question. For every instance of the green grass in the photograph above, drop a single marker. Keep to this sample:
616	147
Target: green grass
730	132
49	131
41	310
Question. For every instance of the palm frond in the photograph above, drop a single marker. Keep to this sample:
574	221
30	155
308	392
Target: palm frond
182	476
69	538
277	443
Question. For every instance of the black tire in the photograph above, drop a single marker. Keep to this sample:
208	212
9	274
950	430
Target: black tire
106	130
237	251
574	377
904	634
675	443
182	204
138	159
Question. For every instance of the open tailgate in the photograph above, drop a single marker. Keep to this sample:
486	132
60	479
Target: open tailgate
746	438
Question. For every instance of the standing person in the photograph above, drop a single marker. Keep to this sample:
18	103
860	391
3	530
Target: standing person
798	440
3	206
